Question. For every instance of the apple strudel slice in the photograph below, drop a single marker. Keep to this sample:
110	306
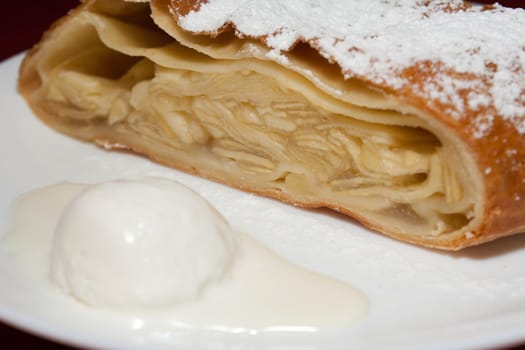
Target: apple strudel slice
407	115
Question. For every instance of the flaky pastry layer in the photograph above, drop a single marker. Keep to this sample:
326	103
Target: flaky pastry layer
125	75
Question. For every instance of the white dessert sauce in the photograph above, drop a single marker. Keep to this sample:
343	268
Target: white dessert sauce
250	288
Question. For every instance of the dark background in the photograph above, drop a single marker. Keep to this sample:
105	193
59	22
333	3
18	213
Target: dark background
21	25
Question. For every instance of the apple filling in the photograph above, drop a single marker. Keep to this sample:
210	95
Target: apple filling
258	126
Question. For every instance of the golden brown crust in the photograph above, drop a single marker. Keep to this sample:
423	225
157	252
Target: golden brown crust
183	7
499	154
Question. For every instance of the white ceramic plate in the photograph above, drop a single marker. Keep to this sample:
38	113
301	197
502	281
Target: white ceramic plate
420	299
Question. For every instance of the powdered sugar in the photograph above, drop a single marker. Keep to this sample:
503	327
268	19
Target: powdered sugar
378	39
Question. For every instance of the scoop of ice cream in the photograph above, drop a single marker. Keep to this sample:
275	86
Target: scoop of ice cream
139	243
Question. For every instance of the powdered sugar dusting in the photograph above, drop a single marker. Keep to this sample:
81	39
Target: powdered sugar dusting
379	39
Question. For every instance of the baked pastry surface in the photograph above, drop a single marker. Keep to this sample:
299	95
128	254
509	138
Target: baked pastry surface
364	121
